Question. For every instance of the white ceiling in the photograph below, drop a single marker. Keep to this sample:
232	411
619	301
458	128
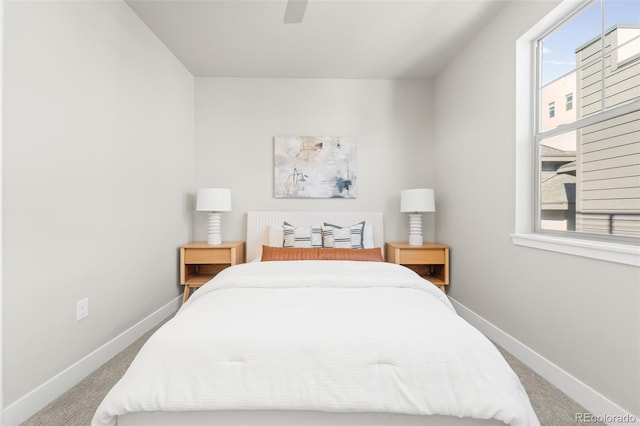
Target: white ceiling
382	39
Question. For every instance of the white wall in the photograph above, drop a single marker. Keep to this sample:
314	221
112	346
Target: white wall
581	314
236	120
98	159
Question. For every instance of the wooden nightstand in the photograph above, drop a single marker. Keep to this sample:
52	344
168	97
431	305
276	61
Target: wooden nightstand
430	261
199	262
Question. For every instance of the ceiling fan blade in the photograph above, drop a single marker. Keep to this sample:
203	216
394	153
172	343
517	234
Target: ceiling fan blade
295	11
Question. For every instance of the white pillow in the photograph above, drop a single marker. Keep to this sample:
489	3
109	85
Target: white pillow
367	237
275	236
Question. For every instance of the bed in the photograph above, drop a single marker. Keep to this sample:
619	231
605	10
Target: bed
316	342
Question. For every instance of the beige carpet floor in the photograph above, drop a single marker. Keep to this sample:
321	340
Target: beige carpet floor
76	407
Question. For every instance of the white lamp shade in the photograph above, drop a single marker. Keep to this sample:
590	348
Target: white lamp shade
213	200
417	200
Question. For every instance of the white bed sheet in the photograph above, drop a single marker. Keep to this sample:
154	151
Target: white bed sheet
321	336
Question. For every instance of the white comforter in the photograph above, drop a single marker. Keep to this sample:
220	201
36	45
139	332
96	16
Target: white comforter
323	336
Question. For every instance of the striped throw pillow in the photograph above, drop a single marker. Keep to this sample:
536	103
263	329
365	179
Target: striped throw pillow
335	236
301	236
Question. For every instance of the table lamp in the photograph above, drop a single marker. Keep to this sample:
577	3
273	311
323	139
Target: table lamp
214	201
415	202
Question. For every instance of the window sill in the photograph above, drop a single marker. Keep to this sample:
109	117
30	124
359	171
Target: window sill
610	252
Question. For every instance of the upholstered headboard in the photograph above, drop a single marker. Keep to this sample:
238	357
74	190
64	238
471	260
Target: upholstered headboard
258	224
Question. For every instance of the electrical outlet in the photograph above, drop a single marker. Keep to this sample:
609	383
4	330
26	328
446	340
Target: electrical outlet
82	308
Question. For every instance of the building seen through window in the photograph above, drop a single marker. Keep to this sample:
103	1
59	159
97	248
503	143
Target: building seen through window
589	151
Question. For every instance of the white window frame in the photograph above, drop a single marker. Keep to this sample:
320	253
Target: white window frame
525	94
568	101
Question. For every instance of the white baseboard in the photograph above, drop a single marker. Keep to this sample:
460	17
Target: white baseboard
594	402
38	398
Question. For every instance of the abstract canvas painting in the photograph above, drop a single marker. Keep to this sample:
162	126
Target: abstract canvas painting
314	167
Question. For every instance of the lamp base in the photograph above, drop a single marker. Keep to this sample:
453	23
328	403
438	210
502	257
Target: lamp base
214	228
415	230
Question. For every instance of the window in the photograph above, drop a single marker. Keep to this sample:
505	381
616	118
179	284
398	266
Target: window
578	174
588	157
